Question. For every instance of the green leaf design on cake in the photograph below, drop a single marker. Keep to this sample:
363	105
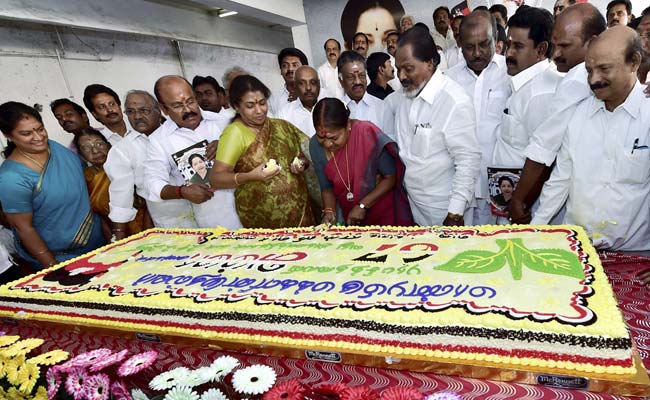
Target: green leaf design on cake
515	253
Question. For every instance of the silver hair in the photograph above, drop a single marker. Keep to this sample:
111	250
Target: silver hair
405	17
148	95
225	81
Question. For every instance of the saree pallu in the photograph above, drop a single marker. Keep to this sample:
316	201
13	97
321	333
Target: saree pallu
283	201
98	184
364	146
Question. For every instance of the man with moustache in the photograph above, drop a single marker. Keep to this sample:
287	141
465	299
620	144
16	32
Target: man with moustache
104	104
435	130
71	116
561	5
196	204
298	112
644	33
454	54
619	12
442	34
125	167
391	48
533	82
573	30
603	167
352	75
328	72
289	60
206	90
360	44
483	75
380	72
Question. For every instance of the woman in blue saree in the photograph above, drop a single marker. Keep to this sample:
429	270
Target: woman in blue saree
44	193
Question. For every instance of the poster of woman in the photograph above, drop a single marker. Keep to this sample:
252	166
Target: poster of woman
501	184
375	18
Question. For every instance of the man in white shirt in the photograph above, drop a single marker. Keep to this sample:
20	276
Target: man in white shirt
353	78
483	75
289	60
574	28
328	73
442	34
435	134
187	125
454	53
298	112
105	105
603	167
208	95
125	169
391	48
533	84
619	12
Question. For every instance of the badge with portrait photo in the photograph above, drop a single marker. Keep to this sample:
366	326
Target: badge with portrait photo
192	163
501	185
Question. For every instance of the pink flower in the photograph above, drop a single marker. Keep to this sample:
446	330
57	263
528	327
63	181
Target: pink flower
109	360
401	393
75	382
137	363
53	379
287	390
359	393
86	359
98	387
120	392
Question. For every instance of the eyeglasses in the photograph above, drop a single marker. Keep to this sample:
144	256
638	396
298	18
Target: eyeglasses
178	107
87	148
134	111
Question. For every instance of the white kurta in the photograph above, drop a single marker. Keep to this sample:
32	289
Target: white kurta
298	115
603	172
441	41
125	169
546	139
437	142
112	137
161	170
329	80
529	105
277	101
369	108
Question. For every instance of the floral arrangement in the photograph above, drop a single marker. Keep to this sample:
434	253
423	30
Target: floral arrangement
20	374
226	379
96	375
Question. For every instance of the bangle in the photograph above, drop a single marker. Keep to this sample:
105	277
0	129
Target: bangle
41	252
179	192
235	179
328	210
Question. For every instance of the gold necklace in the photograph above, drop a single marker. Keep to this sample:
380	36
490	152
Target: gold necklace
41	166
349	196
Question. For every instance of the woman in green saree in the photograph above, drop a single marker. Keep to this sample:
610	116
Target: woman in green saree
264	198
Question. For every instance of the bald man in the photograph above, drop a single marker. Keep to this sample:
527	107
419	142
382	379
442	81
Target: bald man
298	112
573	30
603	167
187	127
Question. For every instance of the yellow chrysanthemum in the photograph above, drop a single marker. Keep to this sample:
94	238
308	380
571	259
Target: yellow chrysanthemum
41	393
3	367
14	394
22	347
7	340
12	367
27	376
49	358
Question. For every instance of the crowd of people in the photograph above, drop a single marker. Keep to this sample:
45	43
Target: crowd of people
400	137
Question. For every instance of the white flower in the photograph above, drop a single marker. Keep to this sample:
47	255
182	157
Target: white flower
138	394
223	365
181	393
191	379
169	379
204	375
255	379
213	394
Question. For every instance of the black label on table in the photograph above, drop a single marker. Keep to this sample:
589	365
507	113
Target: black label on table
147	337
328	356
562	382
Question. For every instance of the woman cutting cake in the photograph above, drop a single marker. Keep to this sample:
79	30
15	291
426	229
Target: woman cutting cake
358	169
256	155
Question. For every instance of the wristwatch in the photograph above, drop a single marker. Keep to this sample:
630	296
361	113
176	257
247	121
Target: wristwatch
455	217
363	206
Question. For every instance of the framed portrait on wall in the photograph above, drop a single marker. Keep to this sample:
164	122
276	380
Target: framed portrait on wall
375	18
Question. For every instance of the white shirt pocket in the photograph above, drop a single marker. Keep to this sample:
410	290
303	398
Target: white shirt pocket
635	166
426	141
496	103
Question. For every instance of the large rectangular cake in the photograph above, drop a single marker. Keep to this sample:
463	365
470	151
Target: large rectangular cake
531	297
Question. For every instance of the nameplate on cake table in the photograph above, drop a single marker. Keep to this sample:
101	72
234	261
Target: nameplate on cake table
526	304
